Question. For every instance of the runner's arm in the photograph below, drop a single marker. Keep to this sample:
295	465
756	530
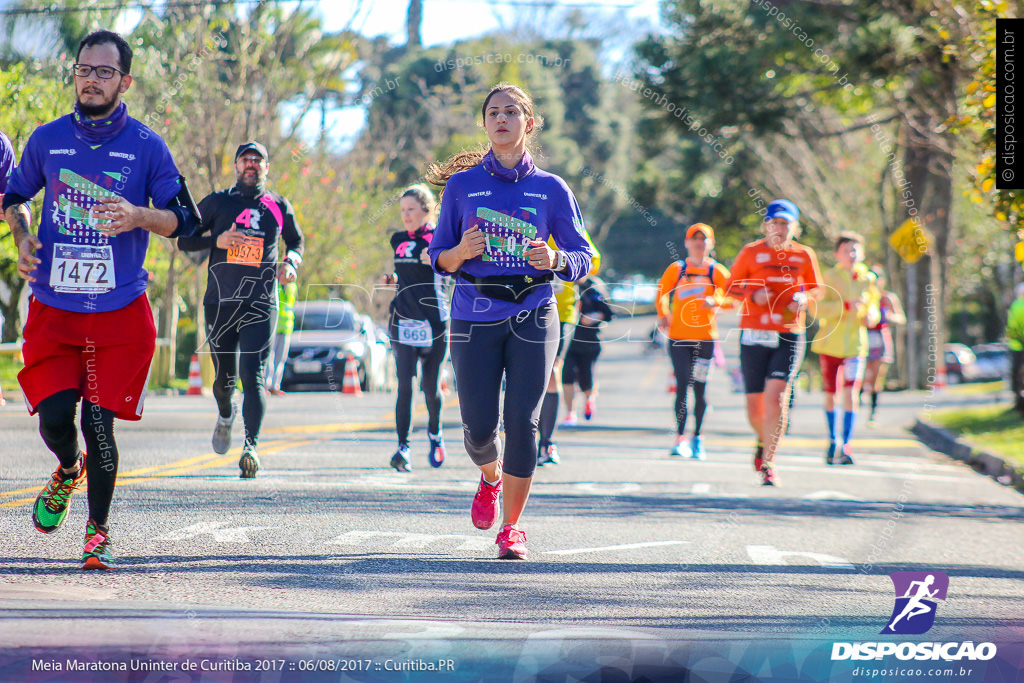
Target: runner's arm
721	281
294	239
569	231
18	217
25	182
895	314
174	212
203	237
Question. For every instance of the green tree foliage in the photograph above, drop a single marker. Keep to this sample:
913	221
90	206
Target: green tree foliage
798	85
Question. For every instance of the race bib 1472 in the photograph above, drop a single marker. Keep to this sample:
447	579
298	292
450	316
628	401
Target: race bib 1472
82	269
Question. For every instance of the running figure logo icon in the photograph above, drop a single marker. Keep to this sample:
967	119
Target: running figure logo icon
916	592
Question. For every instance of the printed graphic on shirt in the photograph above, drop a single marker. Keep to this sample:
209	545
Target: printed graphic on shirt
75	196
248	251
508	237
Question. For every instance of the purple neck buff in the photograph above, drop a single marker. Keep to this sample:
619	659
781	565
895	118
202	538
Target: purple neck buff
524	168
95	132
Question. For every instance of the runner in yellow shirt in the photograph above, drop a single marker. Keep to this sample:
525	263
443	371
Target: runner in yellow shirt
848	307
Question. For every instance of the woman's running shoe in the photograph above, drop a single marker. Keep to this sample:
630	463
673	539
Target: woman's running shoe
96	554
768	475
830	454
400	460
511	543
486	508
758	457
590	409
679	449
845	456
697	448
570	419
53	502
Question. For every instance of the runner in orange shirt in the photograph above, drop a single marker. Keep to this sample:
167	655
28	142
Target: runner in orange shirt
689	295
774	277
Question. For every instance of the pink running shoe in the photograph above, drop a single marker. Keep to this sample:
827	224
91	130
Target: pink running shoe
590	409
511	543
570	419
486	507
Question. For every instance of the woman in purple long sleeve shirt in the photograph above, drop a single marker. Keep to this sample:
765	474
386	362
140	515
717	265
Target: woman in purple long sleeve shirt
497	212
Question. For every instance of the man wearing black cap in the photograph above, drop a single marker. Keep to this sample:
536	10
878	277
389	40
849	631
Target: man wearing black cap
241	228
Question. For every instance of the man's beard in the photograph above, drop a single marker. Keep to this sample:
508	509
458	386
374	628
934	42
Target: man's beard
94	111
251	184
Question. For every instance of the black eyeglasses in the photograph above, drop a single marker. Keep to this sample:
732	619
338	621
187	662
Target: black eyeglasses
104	72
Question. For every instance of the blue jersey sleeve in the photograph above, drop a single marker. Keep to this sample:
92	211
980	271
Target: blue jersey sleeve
6	161
448	232
162	183
28	178
567	228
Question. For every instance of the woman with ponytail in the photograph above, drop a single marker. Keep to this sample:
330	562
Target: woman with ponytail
497	212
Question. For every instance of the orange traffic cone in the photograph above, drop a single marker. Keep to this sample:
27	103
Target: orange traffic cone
195	377
350	384
671	388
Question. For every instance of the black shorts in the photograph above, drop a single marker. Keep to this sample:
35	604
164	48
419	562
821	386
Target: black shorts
760	363
578	367
565	333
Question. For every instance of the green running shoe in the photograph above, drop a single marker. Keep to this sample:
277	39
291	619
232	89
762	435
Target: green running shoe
53	502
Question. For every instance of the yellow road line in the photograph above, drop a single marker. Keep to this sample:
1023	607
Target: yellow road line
185	465
172	469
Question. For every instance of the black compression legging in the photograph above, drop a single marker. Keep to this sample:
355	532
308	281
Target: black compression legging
239	339
57	427
691	361
522	349
430	359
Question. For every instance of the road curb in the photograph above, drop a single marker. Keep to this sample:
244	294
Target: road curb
944	441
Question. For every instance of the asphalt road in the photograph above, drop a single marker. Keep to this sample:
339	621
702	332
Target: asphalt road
329	553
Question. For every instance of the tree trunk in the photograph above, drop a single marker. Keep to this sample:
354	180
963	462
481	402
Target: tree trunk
414	19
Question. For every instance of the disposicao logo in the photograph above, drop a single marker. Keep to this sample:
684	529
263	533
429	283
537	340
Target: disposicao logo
914	614
916	593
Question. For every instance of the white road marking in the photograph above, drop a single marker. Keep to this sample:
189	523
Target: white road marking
770	555
603	489
627	546
401	540
237	534
832	495
701	487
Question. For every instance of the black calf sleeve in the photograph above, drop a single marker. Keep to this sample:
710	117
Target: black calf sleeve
101	458
57	426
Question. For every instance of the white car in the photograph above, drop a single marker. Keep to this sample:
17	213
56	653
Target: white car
326	335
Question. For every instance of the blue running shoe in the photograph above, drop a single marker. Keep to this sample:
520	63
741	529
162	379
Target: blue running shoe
697	448
830	454
437	450
679	449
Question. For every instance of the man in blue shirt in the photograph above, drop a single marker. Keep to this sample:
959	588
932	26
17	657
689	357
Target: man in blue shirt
90	335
